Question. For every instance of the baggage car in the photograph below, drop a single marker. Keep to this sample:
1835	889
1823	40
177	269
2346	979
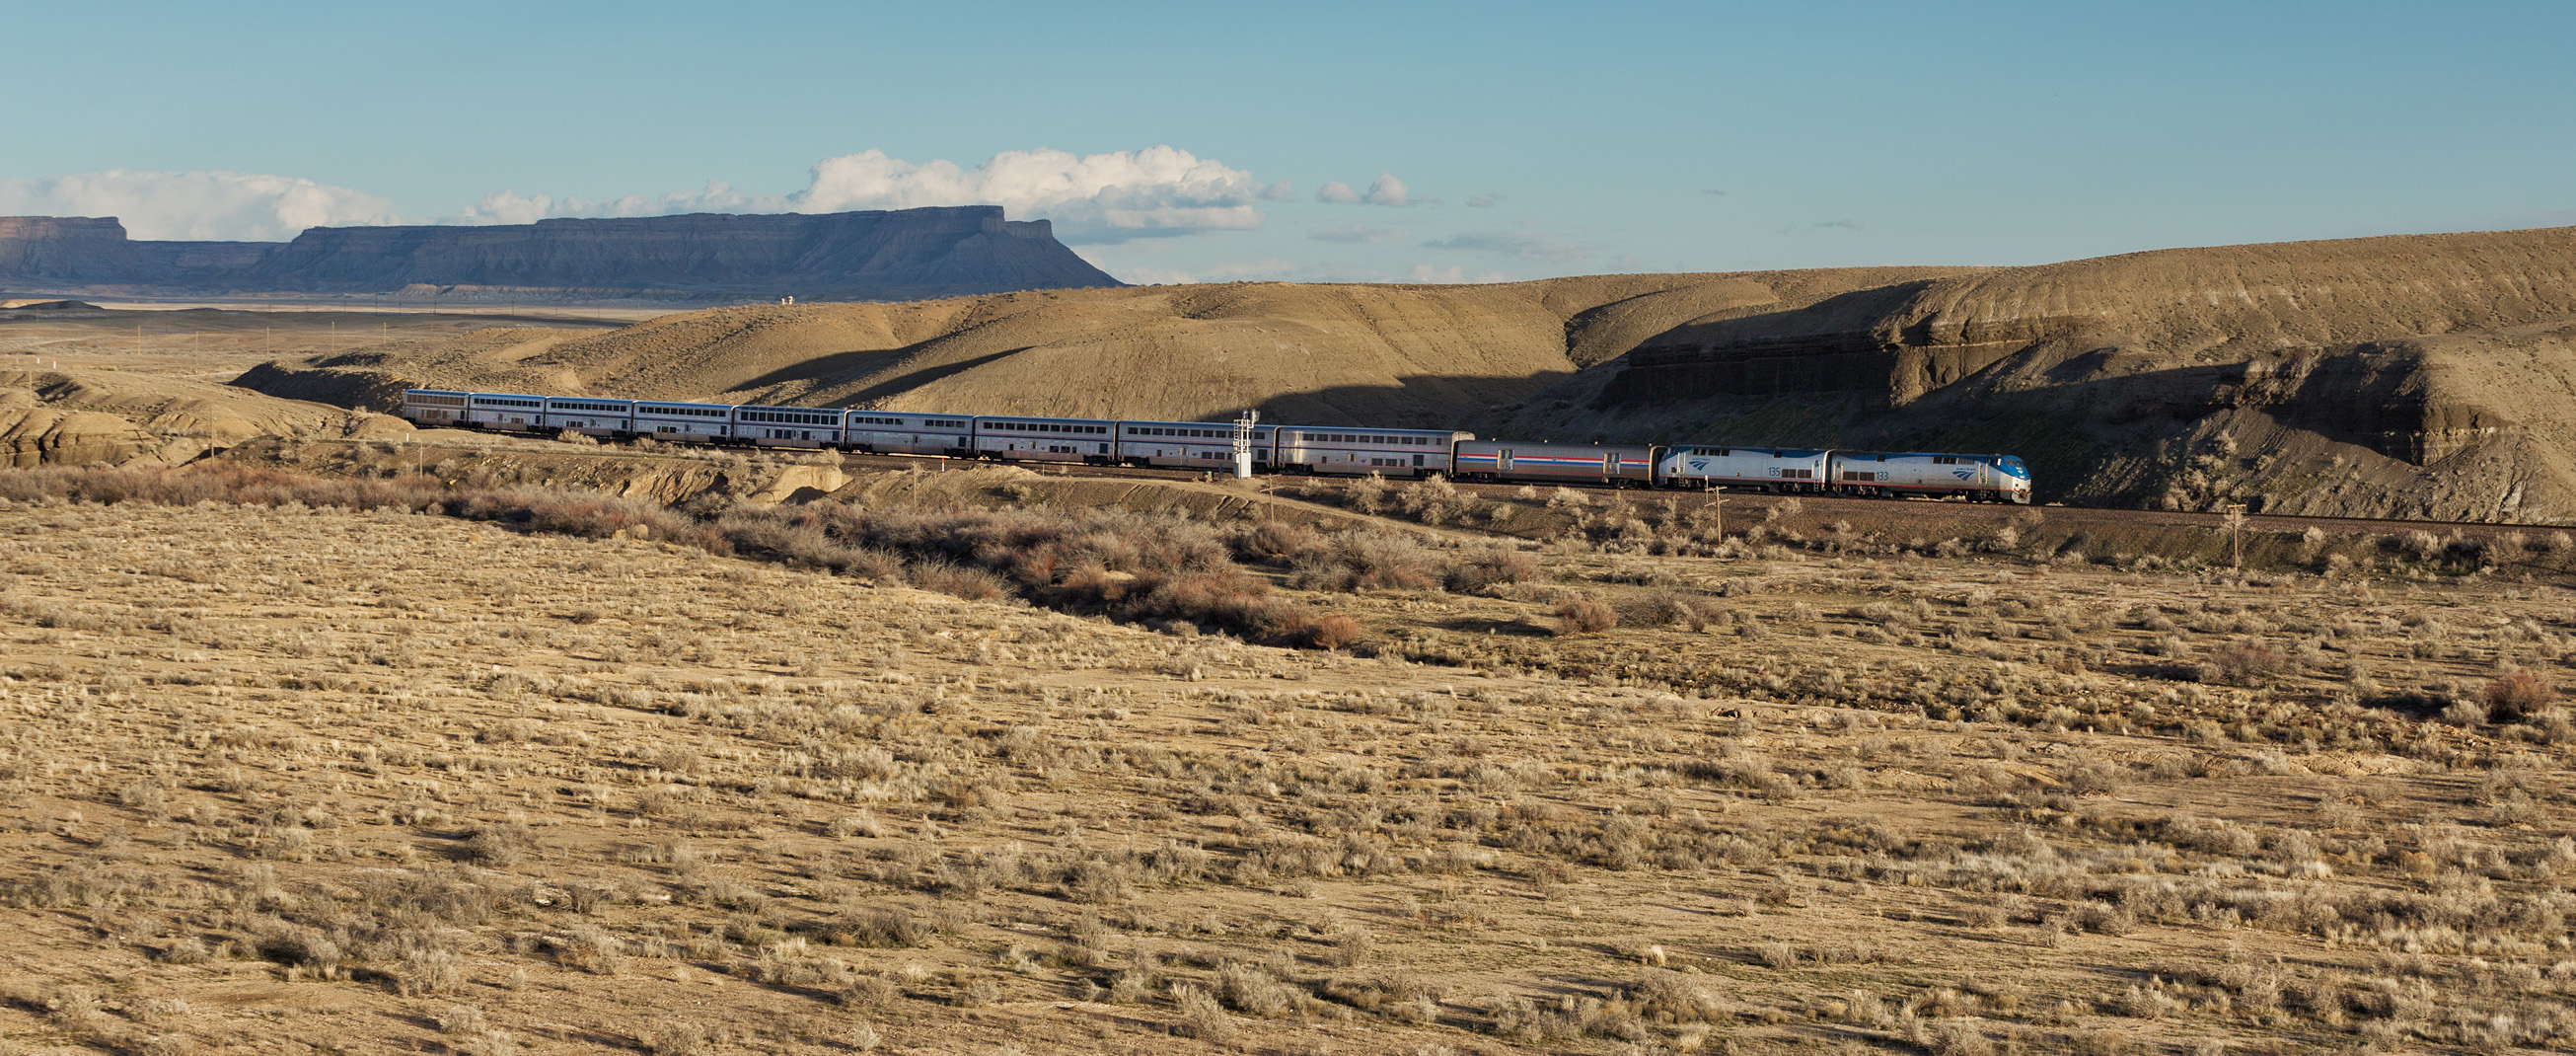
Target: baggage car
1618	465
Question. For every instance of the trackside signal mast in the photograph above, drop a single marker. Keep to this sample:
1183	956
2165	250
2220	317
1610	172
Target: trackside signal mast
1243	444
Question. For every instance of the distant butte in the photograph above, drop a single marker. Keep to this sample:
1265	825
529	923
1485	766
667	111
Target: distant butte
698	258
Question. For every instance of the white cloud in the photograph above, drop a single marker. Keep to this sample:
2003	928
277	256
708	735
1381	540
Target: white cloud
208	205
1384	190
1091	197
1337	193
1485	201
511	207
1387	190
1099	199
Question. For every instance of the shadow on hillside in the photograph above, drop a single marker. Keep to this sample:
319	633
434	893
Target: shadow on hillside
1416	401
836	366
904	383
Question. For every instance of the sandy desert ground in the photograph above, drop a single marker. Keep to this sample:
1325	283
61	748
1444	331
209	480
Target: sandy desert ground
329	746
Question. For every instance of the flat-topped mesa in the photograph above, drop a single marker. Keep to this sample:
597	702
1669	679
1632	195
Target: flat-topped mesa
37	250
906	254
30	228
82	254
878	255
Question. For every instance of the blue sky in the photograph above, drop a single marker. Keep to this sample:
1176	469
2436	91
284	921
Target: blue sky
1516	140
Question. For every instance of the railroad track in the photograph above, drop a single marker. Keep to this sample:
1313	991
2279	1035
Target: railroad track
1818	509
1936	518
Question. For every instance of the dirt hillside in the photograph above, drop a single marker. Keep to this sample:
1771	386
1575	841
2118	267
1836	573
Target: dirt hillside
2425	376
2420	376
1330	354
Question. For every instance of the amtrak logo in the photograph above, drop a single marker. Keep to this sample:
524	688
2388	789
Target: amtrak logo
1964	474
1699	465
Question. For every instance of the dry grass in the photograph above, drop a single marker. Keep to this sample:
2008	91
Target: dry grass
498	780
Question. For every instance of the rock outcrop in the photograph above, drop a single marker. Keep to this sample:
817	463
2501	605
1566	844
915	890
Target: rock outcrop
32	434
86	418
896	255
2417	375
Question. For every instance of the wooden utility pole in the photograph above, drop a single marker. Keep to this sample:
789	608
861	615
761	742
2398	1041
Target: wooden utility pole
2236	536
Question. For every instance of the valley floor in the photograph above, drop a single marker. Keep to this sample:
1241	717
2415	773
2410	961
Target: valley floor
280	779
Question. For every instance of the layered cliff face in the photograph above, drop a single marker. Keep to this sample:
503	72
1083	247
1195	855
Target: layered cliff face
63	254
894	255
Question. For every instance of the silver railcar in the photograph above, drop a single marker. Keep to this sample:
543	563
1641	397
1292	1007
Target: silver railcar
1360	450
590	415
1012	439
1191	445
684	422
434	406
814	427
907	433
517	412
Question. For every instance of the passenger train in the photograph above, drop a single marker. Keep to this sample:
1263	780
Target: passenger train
1319	449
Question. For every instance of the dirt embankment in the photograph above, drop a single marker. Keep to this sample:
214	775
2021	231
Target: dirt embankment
108	418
